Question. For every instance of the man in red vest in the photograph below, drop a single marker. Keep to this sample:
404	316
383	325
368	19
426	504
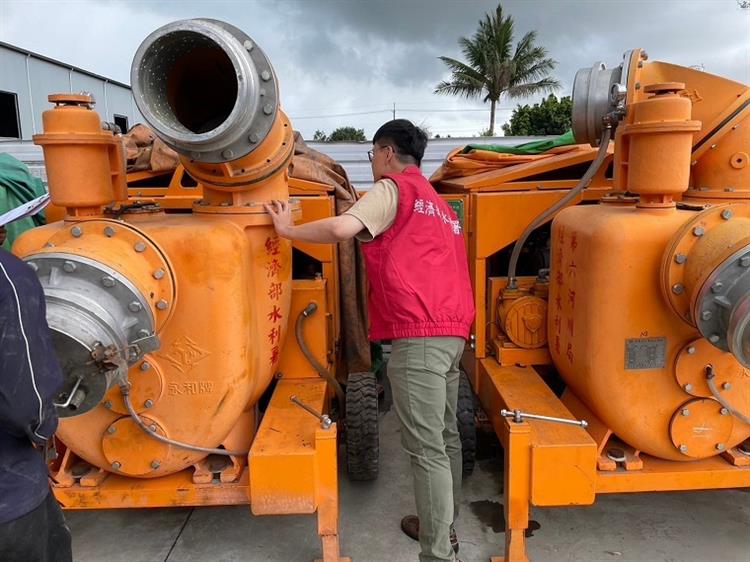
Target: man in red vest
419	298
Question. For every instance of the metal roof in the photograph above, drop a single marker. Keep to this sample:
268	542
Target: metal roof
61	64
351	155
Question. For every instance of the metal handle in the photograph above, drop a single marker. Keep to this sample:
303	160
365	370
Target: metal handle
71	396
518	416
325	421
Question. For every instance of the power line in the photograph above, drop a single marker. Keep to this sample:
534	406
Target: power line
396	109
341	114
356	107
408	103
486	109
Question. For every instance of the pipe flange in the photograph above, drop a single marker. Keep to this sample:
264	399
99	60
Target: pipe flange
592	101
99	240
233	176
677	283
75	285
84	316
245	97
722	306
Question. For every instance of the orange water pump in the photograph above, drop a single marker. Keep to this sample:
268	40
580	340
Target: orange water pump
637	296
650	303
170	327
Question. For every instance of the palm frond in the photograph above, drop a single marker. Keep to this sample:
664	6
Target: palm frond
538	70
461	68
475	53
459	86
524	90
525	45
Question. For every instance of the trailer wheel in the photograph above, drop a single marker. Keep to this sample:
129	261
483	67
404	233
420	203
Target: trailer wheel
362	440
467	429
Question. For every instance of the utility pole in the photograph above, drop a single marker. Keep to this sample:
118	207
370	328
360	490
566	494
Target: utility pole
394	110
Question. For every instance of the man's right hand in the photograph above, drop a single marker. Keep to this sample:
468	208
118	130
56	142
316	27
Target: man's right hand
281	215
3	233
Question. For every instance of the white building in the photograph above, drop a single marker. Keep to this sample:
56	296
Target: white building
26	79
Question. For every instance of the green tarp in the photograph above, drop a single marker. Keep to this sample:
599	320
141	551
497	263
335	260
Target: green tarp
533	147
18	186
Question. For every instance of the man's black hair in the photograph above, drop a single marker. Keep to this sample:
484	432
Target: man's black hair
408	140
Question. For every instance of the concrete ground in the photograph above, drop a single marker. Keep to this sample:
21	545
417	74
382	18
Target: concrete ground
686	527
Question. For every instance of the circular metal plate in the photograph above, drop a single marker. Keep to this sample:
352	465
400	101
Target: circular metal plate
146	387
77	365
130	451
690	373
699	430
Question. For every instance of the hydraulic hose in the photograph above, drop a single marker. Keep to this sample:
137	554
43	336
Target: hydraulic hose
125	390
310	309
710	375
570	196
322	371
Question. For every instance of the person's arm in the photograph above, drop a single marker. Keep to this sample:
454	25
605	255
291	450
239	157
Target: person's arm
29	376
323	231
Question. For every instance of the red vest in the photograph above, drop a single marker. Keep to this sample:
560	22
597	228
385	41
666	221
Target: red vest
417	270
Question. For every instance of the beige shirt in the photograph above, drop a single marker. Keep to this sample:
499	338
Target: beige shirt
376	210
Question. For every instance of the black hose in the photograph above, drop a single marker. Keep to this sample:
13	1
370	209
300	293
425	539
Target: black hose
322	371
572	194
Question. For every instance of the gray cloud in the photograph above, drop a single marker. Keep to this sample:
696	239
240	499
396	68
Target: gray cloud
354	56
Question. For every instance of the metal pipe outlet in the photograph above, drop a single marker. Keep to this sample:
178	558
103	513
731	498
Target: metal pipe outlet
206	89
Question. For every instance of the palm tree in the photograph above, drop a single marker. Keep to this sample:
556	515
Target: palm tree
494	69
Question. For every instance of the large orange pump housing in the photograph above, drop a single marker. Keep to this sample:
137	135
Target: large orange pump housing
648	302
187	311
200	383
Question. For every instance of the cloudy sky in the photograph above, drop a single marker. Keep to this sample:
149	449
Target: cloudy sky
347	62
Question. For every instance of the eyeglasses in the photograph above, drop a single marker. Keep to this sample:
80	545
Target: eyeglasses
371	153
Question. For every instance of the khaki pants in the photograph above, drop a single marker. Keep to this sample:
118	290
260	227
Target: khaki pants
424	378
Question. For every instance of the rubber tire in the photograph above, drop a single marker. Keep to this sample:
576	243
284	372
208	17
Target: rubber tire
362	439
467	429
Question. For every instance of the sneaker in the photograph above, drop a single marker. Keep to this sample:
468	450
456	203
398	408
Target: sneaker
410	527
